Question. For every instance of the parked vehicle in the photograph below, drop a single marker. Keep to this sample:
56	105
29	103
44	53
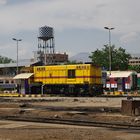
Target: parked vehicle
76	79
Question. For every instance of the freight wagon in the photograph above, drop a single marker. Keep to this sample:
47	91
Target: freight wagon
77	79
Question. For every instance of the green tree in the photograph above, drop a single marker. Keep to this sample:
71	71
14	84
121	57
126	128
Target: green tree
135	68
119	58
4	60
74	62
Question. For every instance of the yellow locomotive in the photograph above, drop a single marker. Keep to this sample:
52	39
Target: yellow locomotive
77	79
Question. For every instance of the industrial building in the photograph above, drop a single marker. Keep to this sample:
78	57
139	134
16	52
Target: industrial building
58	58
135	60
121	81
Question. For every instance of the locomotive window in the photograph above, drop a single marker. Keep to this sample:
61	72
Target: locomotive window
71	73
12	81
6	81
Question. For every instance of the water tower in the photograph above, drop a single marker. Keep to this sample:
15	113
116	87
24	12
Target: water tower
46	45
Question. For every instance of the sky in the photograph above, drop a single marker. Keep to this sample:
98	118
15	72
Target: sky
78	25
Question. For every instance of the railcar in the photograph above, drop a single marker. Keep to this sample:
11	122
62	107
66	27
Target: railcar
77	79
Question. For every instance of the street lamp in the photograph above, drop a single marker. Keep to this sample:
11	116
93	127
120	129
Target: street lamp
109	29
17	40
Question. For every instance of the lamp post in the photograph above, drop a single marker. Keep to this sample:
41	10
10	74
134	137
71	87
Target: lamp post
109	29
17	40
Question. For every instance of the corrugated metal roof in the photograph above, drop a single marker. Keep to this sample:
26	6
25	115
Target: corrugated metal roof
120	74
24	62
23	76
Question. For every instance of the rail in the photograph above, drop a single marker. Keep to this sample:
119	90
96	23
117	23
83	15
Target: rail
74	122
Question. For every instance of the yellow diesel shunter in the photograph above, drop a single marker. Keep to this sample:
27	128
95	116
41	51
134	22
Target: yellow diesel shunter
78	79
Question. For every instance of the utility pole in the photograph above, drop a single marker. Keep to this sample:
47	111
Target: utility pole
17	40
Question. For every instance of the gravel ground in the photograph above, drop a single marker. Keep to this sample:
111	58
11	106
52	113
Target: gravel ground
10	130
34	131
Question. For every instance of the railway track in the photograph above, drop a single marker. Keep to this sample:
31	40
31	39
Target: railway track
27	104
81	109
74	122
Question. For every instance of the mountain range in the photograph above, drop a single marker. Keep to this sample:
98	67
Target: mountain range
81	57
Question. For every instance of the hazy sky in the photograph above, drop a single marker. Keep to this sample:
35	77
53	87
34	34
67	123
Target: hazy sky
78	25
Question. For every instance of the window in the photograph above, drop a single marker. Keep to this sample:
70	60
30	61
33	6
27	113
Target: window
1	81
6	81
12	82
71	73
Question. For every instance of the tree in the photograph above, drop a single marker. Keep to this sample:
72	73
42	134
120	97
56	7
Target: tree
135	68
74	62
119	58
4	60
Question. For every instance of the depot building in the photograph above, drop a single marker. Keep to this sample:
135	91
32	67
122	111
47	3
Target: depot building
121	81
